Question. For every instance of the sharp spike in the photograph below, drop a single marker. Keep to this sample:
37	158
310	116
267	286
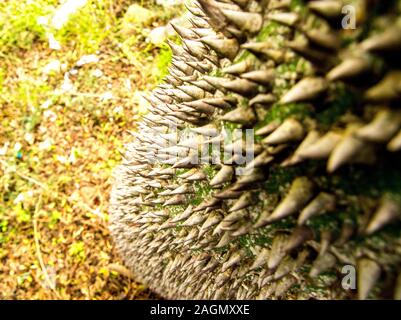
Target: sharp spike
243	202
227	48
301	191
181	65
234	259
184	33
395	143
203	85
212	220
216	18
212	264
176	49
245	21
228	194
241	115
350	148
349	68
263	99
383	127
209	130
309	140
194	220
389	40
176	200
285	267
277	252
327	9
196	48
202	67
298	237
267	291
261	259
368	273
222	103
302	47
388	211
322	148
389	88
264	77
193	91
235	216
267	129
238	68
265	50
347	231
305	90
397	288
261	160
192	142
322	263
284	285
244	229
188	162
224	175
199	22
225	240
250	177
195	10
290	19
204	32
188	173
242	87
166	225
327	39
208	203
184	189
198	176
290	130
323	203
216	82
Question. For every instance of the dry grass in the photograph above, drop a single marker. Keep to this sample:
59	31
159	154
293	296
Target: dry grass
57	152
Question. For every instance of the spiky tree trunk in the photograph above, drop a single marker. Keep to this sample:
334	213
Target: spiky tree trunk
323	190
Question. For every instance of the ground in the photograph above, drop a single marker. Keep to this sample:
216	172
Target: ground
69	93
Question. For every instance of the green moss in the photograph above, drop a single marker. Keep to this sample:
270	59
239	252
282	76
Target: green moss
77	251
343	101
267	31
328	222
163	61
209	171
250	241
360	180
18	23
287	67
89	26
279	112
280	177
296	4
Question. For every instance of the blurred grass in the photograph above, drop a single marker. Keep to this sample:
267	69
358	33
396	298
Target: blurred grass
58	147
18	23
